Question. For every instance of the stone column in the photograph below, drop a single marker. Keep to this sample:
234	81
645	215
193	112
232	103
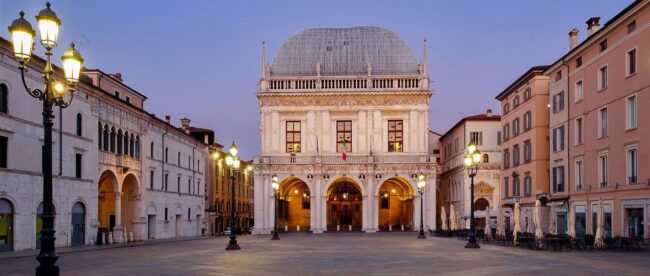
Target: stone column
316	212
140	219
372	205
118	230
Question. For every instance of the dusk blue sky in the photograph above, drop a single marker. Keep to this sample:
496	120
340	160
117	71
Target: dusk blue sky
201	59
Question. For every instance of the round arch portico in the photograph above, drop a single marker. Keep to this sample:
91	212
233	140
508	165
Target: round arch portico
120	209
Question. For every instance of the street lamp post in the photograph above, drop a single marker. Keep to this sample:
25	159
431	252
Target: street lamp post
233	163
22	36
472	159
276	190
421	184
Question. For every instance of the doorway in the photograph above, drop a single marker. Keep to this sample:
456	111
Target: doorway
78	224
344	212
151	227
179	228
6	225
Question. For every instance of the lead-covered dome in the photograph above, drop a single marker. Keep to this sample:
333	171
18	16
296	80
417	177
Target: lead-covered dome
344	52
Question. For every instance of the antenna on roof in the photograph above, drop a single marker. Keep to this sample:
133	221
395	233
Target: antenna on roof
424	59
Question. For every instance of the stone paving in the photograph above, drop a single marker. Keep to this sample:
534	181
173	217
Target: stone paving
326	254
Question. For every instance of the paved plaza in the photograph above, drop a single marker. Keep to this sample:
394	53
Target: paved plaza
342	254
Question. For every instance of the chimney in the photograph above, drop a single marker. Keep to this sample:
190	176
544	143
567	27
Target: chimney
488	112
168	119
593	25
573	38
118	76
185	125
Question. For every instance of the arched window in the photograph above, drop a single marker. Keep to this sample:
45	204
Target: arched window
179	159
113	139
79	124
137	147
132	145
106	137
166	155
486	158
126	143
120	138
151	150
4	98
99	135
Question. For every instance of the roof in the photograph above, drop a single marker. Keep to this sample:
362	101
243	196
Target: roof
198	129
344	52
533	71
478	117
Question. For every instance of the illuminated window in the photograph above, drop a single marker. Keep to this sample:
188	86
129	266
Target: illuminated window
395	136
293	136
343	136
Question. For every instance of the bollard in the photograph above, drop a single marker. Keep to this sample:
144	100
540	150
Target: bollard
298	228
131	236
390	228
286	228
350	227
402	227
110	238
338	227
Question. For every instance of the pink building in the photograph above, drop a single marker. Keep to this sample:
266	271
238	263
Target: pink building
597	133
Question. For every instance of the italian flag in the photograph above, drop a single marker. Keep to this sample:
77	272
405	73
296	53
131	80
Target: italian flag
344	156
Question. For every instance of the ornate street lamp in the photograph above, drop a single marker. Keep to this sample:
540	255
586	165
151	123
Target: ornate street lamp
472	159
233	163
421	184
276	190
22	36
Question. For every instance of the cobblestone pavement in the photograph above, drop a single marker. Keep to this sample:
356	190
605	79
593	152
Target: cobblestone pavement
343	254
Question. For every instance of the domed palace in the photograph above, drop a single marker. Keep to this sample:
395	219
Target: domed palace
344	127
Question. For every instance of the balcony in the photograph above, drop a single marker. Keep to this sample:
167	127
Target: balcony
342	83
510	200
120	161
351	159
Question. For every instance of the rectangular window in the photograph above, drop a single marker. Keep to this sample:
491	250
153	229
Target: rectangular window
499	139
515	186
117	94
306	201
579	176
579	62
178	184
515	127
558	139
343	136
631	62
602	170
505	187
581	223
166	181
515	156
603	45
151	179
528	93
632	166
528	120
528	151
607	212
506	159
594	219
293	136
3	151
558	102
602	122
395	136
77	165
579	132
528	183
476	137
506	109
189	186
506	132
558	179
631	112
456	145
602	78
166	214
631	27
558	76
128	99
579	92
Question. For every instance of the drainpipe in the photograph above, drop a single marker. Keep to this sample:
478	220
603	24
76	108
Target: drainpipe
162	159
60	141
193	167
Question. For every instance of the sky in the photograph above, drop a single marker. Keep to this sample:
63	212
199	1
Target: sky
201	59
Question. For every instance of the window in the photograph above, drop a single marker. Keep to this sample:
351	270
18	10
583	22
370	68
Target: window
579	92
151	150
581	223
528	120
506	132
607	212
166	214
528	183
4	97
178	184
79	124
579	174
515	127
505	187
631	27
528	151
476	137
117	94
558	139
515	102
602	78
630	118
3	151
128	99
558	179
178	159
528	93
631	62
395	136
306	201
499	138
506	158
579	131
506	109
558	76
151	179
579	62
515	156
77	165
558	102
602	122
166	181
456	145
189	185
632	165
486	158
516	190
166	155
602	170
293	136
603	45
343	136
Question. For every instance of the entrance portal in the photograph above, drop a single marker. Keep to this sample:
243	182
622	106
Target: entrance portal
395	206
294	206
78	224
344	207
6	226
106	199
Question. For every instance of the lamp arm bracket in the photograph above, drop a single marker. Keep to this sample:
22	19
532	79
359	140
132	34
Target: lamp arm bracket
36	93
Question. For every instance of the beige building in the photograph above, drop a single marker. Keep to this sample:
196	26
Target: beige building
524	146
344	125
483	130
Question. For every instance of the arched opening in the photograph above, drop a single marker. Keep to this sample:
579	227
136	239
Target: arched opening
120	138
4	97
126	143
113	133
6	225
105	138
129	200
481	204
395	205
106	201
294	205
79	124
344	206
78	224
486	158
39	223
